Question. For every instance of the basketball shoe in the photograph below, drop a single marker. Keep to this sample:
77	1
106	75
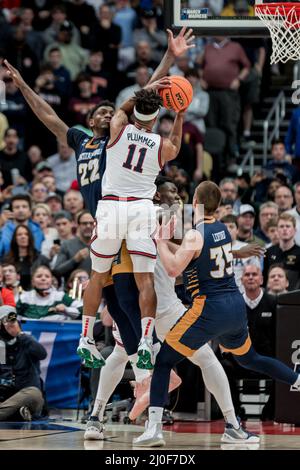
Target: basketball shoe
25	413
145	354
152	437
238	436
89	353
94	430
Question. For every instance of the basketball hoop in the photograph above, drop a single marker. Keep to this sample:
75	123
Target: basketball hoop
283	22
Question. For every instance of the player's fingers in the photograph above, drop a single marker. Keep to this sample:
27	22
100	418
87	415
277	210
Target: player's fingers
170	34
190	46
182	31
190	39
188	33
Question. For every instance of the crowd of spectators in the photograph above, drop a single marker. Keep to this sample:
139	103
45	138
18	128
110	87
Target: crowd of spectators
77	53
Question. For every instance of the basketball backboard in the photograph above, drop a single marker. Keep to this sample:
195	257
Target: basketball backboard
240	20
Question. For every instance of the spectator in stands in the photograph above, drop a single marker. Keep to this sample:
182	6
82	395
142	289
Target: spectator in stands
150	33
238	263
106	35
21	394
74	253
54	201
41	214
272	188
61	73
143	56
6	295
63	225
77	277
14	107
20	55
43	169
278	282
279	163
126	18
142	77
250	86
45	302
272	233
42	12
245	222
295	212
21	214
59	16
11	280
39	192
74	58
33	38
12	158
292	138
83	16
84	101
23	255
73	202
50	183
199	106
286	252
229	192
225	66
101	79
284	198
63	165
35	156
267	211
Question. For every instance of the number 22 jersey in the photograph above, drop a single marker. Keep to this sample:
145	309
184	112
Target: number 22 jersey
90	153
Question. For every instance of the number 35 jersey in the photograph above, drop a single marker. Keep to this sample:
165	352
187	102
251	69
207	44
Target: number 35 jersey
211	273
133	162
90	154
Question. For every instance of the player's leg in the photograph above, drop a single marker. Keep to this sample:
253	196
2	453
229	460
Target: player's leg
110	376
165	361
103	248
216	382
142	249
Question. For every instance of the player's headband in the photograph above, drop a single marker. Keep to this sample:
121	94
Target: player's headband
145	117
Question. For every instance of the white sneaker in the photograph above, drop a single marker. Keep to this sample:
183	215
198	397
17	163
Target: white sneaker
145	354
94	430
25	413
238	436
89	353
152	437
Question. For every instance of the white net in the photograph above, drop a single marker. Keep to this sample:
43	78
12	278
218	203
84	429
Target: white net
283	22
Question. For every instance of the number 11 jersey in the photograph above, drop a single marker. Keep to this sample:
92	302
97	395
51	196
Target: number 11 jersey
132	164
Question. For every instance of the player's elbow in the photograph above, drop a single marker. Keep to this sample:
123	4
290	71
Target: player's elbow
173	271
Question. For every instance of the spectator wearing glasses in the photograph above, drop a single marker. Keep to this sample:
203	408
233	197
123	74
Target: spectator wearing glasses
74	253
20	383
229	192
267	211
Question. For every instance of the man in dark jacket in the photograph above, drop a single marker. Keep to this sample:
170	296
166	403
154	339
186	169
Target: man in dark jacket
20	384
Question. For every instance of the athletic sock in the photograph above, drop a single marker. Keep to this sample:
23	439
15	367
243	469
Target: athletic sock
230	418
88	326
155	415
140	374
147	327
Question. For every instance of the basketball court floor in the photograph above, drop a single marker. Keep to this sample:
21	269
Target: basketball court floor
182	436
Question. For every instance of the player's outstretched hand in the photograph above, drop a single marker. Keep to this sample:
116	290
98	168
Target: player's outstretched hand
163	82
14	74
182	43
165	230
252	249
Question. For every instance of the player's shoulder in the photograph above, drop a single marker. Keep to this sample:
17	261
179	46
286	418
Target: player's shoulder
76	136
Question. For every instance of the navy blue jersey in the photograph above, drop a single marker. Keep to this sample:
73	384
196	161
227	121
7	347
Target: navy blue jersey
212	272
90	154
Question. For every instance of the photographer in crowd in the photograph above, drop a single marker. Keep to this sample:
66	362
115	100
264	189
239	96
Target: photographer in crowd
20	383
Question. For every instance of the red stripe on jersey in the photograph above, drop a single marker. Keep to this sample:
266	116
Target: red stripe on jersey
125	199
117	139
99	255
142	253
159	153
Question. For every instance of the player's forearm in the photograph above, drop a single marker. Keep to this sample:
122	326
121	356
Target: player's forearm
163	69
43	111
128	106
168	258
176	133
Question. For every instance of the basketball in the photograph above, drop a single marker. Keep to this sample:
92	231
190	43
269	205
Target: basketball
179	96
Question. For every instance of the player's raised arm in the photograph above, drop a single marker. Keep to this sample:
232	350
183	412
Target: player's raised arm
176	261
41	109
171	145
176	47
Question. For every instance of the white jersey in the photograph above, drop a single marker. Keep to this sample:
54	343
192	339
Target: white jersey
132	164
164	286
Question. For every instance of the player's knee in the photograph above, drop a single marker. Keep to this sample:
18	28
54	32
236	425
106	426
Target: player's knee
204	357
248	359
